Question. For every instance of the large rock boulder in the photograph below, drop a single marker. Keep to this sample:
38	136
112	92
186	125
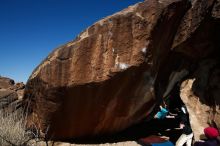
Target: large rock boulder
116	72
103	81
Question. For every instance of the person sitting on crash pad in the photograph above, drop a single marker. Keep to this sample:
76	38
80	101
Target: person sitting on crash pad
211	133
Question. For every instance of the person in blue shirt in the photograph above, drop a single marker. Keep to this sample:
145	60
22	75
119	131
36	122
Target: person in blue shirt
162	113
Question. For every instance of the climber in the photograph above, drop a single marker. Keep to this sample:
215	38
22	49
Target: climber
162	113
187	133
211	133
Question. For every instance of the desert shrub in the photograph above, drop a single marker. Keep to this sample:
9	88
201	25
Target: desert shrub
12	129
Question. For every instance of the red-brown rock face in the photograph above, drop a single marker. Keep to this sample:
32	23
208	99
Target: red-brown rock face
116	71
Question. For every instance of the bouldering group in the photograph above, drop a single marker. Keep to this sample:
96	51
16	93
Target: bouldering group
181	115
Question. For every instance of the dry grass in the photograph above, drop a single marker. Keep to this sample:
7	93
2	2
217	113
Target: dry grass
13	133
12	129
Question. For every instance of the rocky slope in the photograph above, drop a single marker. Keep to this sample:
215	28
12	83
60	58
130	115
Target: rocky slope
118	70
11	94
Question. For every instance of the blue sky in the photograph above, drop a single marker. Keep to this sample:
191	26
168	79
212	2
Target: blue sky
31	29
